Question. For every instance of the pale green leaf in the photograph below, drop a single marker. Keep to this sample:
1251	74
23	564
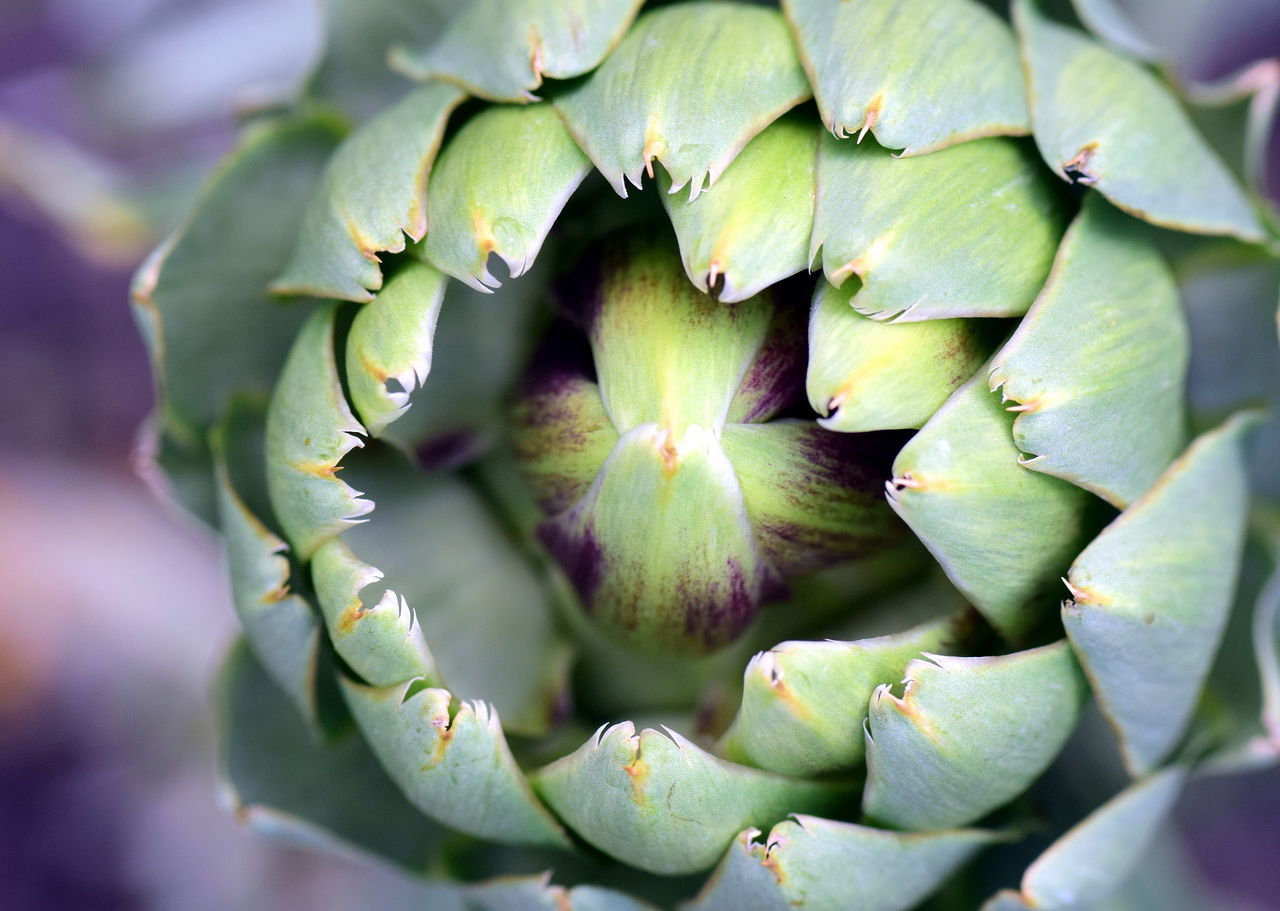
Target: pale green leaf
373	194
281	628
1085	866
380	641
1097	367
501	50
309	429
480	345
1151	594
201	298
809	862
813	496
921	75
658	802
804	703
689	86
449	576
497	189
281	780
754	229
1003	533
452	764
981	246
1105	121
866	374
389	347
968	734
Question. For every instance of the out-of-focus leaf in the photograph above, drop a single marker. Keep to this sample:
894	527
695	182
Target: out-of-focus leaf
389	347
1230	299
358	34
202	298
921	75
500	184
981	247
373	194
1091	861
310	428
754	229
1000	531
1108	20
282	780
1098	366
865	374
500	51
1106	122
819	863
452	764
689	86
978	730
660	803
804	703
1151	594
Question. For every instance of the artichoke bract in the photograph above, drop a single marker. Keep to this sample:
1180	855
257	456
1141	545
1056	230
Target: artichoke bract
809	444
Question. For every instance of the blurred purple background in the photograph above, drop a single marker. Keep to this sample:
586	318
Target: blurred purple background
113	610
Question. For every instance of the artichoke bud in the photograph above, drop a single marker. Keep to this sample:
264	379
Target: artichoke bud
678	497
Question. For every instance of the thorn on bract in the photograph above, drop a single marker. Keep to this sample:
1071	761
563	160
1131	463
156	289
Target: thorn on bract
1077	169
871	116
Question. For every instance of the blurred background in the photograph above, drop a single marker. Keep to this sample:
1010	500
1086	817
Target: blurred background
113	607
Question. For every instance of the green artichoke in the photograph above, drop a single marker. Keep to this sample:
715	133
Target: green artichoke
563	541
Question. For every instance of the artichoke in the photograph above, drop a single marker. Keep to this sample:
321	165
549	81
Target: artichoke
574	526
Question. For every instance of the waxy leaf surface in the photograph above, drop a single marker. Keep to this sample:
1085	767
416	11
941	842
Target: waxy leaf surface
980	247
660	803
804	703
1098	366
1151	594
455	766
968	734
865	374
498	187
809	862
310	428
1105	121
689	86
921	75
501	50
389	346
754	229
1001	532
